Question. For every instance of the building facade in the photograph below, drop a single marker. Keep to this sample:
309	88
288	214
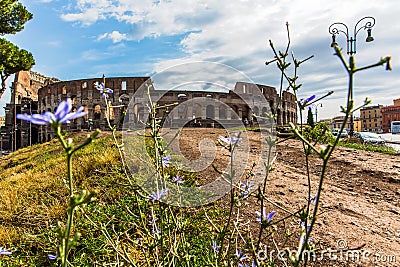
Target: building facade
389	114
371	118
24	99
357	124
336	123
34	93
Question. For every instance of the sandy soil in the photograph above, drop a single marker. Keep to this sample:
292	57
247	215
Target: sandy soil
359	205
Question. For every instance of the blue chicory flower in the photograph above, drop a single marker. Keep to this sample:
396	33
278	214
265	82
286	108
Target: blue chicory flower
303	224
264	216
4	251
155	230
165	161
302	240
152	223
229	140
63	114
246	188
313	199
215	247
270	215
158	195
240	255
178	180
153	220
104	90
304	102
52	257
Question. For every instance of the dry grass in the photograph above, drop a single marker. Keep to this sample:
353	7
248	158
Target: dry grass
33	194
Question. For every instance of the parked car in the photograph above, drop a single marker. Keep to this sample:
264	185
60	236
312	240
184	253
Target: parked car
344	133
369	138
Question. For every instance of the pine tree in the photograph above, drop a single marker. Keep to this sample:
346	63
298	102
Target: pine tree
310	118
13	16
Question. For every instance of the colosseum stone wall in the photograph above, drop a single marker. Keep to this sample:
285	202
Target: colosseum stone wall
84	93
36	93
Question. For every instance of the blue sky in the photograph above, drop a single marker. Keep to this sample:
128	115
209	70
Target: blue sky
75	39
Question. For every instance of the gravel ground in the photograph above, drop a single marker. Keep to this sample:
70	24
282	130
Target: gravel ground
359	206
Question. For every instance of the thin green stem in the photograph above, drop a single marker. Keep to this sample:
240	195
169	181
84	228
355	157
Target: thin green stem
232	202
69	163
66	240
262	195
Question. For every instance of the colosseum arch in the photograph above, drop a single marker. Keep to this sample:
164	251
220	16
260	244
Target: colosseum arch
222	112
235	113
283	117
96	112
246	114
264	112
256	111
210	112
271	106
197	110
278	117
138	113
124	99
182	111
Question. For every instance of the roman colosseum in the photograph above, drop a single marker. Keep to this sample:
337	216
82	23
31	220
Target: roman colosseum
83	92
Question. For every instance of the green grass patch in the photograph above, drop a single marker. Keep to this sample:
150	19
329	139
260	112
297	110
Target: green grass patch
372	148
34	197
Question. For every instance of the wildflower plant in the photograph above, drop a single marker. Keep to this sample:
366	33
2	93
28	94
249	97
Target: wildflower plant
316	142
79	198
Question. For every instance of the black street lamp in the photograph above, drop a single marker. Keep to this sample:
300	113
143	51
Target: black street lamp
336	28
316	111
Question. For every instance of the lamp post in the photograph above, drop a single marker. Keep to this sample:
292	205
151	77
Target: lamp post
366	23
316	111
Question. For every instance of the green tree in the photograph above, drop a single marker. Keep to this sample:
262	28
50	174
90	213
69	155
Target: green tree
13	16
12	60
310	118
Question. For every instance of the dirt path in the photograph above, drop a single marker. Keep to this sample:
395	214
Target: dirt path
359	205
360	201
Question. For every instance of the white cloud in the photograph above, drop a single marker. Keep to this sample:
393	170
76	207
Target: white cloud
115	36
237	33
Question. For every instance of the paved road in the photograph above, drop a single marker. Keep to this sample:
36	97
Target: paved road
392	137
